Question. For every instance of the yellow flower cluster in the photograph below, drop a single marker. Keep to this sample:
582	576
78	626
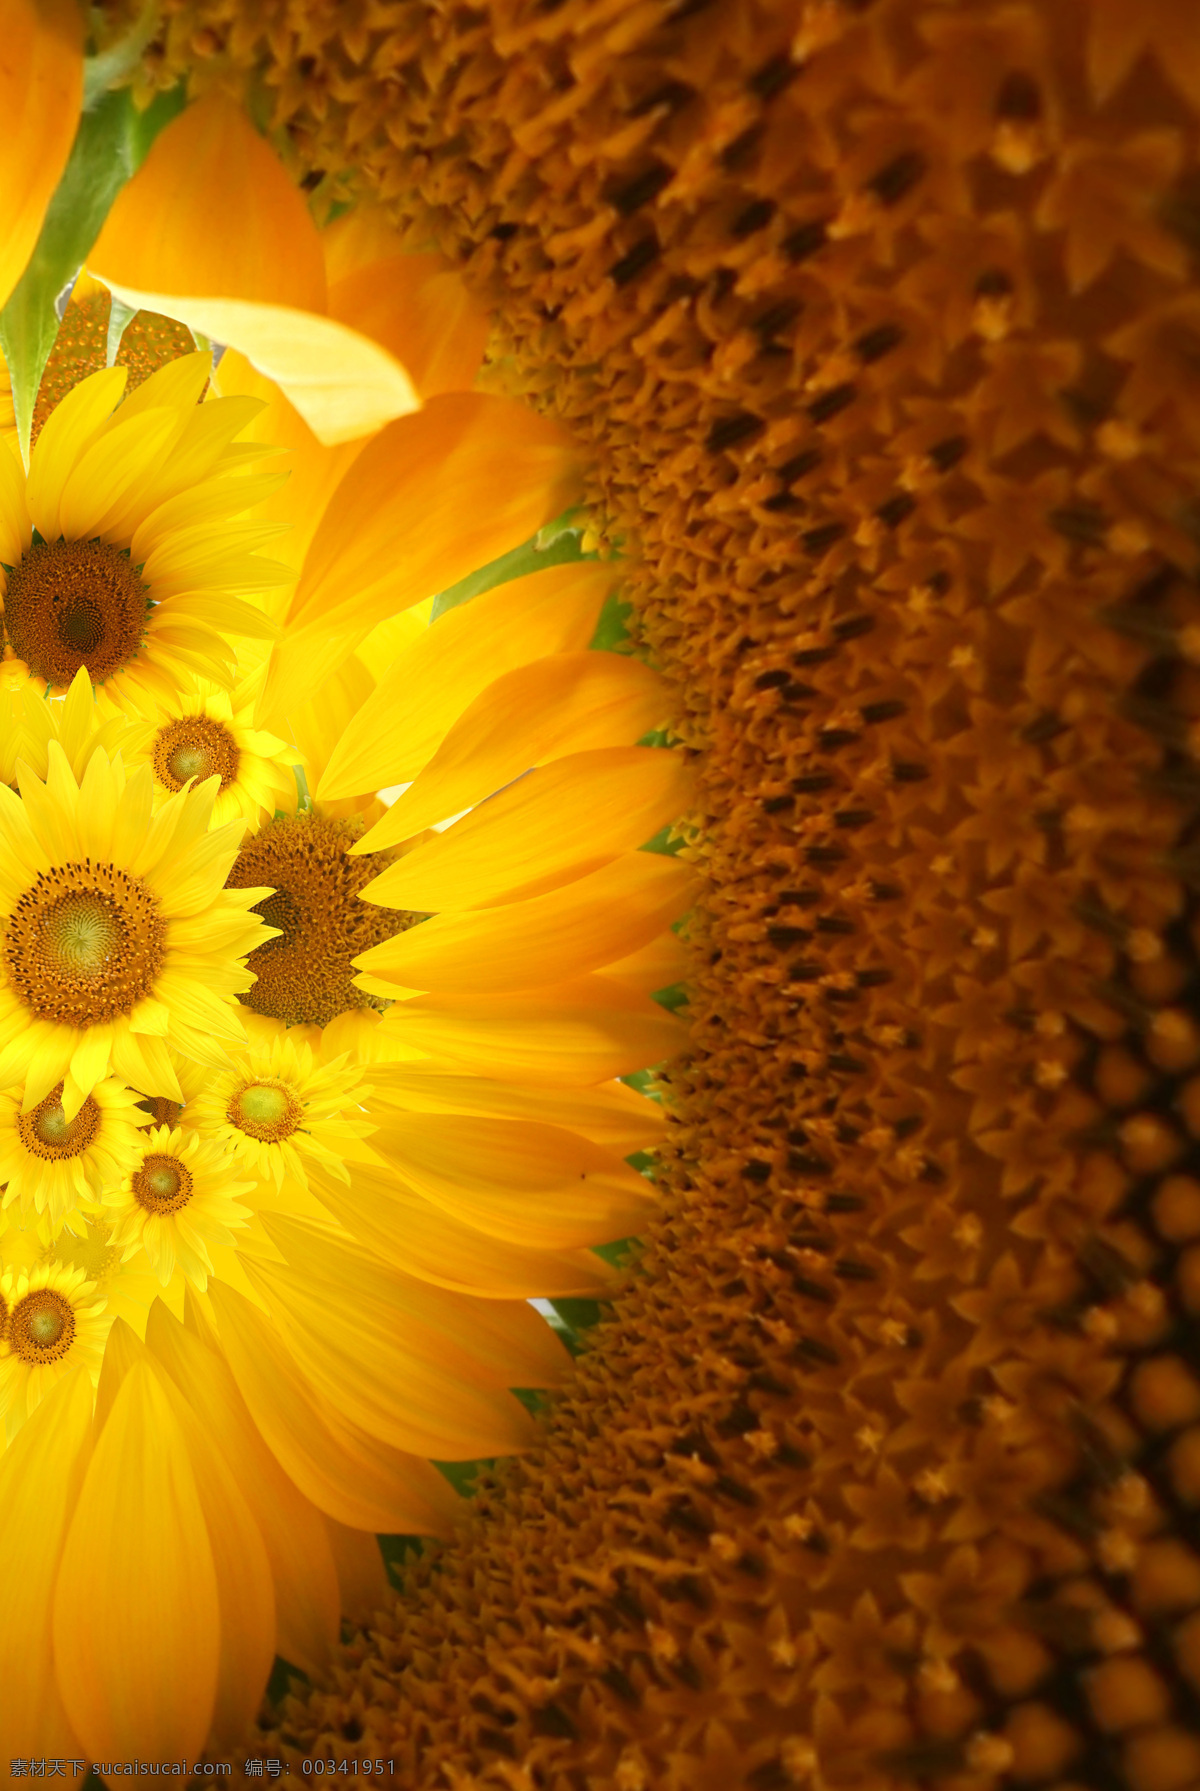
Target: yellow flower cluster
333	899
879	323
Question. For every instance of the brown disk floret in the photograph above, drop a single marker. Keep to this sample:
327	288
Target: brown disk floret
305	977
162	1184
42	1327
46	1132
84	944
75	603
195	746
80	349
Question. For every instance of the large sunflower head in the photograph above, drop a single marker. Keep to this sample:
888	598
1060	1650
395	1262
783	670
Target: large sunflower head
53	1320
176	1199
279	1106
121	551
206	732
53	1165
116	933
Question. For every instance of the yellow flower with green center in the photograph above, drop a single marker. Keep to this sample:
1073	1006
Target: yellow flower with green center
205	732
278	1110
174	1201
118	937
53	1322
55	1166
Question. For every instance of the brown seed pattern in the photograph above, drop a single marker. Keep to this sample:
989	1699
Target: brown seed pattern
46	1131
74	604
195	746
41	1328
305	977
162	1185
84	944
880	323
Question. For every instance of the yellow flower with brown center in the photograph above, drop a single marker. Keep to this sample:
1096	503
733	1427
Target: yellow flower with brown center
278	1107
174	1200
124	550
203	733
53	1322
117	934
51	1164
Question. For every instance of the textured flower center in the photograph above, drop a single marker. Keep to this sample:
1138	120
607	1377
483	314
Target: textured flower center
163	1184
195	746
75	603
162	1112
306	976
42	1327
84	944
265	1110
48	1133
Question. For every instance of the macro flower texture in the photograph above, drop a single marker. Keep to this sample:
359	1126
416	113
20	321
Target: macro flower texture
338	873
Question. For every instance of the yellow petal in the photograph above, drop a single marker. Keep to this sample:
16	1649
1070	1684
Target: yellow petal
568	1035
613	1114
361	1575
569	703
15	528
342	383
313	470
543	830
245	1593
432	681
40	1476
347	1474
306	1594
546	939
418	308
517	1179
212	213
68	432
41	96
658	965
392	1354
423	1239
432	497
136	1626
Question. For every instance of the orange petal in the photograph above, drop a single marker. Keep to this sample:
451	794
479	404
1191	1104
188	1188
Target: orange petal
41	95
212	213
432	497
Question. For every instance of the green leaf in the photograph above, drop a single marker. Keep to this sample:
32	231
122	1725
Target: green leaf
612	629
558	544
110	145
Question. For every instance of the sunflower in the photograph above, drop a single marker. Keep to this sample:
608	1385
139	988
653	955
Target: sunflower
118	935
53	1322
278	1110
206	732
55	1166
173	1200
122	549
